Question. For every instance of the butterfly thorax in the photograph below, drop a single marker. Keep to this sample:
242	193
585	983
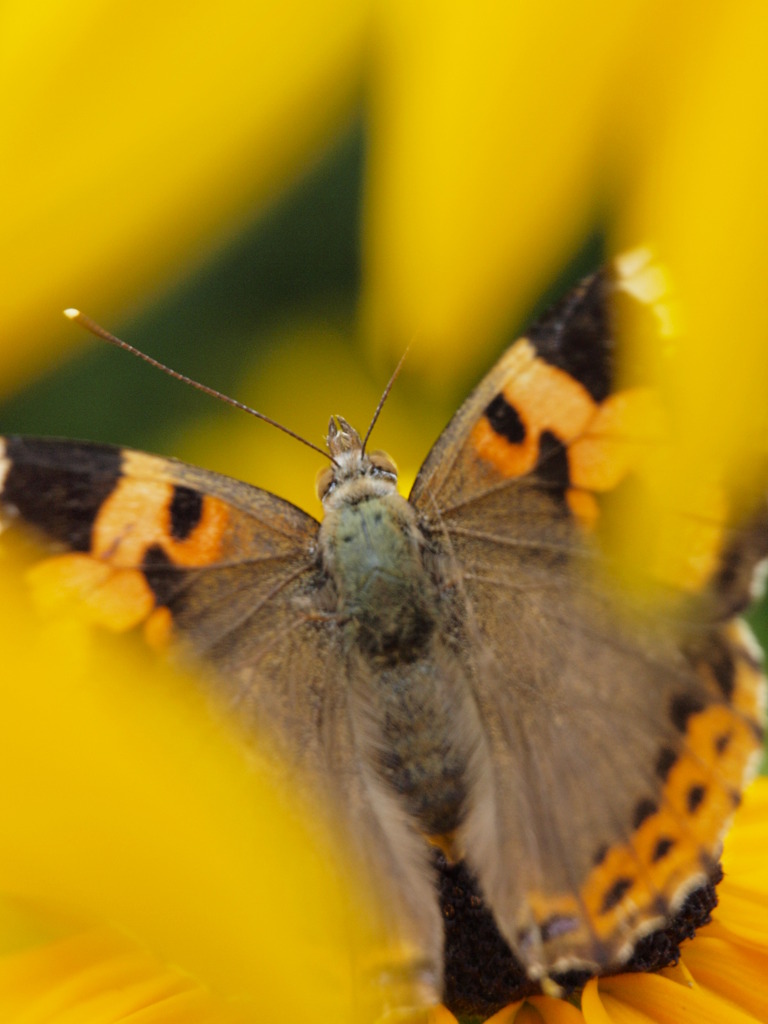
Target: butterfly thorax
389	603
373	550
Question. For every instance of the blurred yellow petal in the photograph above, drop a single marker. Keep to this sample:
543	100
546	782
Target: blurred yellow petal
23	924
137	136
741	917
98	976
701	203
123	802
744	860
487	135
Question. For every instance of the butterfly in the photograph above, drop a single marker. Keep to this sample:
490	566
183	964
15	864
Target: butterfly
458	671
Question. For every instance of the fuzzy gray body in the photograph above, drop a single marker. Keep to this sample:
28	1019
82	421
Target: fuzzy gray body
392	591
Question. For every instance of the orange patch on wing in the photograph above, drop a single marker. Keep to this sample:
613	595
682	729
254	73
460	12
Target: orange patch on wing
666	853
509	459
659	861
115	598
584	507
545	398
137	517
550	399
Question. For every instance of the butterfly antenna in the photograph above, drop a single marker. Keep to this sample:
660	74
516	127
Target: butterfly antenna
101	332
384	397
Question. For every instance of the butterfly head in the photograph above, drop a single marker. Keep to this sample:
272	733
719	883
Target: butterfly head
353	471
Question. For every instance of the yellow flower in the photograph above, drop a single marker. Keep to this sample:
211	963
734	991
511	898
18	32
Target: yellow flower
146	862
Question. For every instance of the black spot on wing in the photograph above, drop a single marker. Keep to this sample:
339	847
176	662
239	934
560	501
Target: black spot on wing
664	762
185	511
600	854
682	708
552	466
662	848
712	657
165	578
505	420
722	742
60	486
643	810
695	797
723	668
732	584
615	894
576	336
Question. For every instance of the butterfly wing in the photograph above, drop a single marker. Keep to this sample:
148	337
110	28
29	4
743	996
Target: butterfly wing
228	572
619	730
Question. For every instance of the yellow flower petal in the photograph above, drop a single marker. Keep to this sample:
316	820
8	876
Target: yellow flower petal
23	925
742	912
506	1016
538	1010
744	861
440	1015
651	999
677	972
731	971
741	916
485	163
141	134
702	203
99	976
124	802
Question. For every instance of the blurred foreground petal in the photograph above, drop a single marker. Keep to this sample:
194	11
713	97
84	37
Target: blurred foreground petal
125	803
702	205
141	134
484	163
96	977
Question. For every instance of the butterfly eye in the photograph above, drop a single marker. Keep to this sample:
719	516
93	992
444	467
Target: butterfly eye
324	482
382	465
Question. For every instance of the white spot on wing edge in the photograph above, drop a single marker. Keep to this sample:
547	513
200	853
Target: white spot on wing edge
645	279
5	465
759	580
747	639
